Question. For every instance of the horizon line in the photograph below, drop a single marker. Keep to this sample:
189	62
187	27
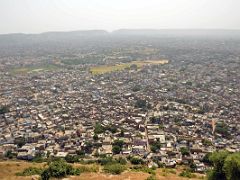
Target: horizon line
111	31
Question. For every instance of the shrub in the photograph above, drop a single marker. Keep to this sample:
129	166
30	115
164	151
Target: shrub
136	160
114	168
143	169
106	160
121	160
72	159
30	171
187	174
116	149
58	169
152	177
83	169
184	151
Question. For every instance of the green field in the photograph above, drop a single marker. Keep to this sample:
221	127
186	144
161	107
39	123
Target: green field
34	69
119	67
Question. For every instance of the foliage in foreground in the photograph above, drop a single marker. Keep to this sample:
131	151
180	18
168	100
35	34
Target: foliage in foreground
30	171
140	168
114	168
226	166
187	173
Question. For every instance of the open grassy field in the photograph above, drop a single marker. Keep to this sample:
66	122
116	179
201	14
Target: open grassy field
34	69
120	67
8	169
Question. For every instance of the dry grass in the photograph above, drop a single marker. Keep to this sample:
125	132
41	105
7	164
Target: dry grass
8	169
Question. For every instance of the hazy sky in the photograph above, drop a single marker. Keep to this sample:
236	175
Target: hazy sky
34	16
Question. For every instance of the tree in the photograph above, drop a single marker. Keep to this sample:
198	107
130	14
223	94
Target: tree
136	88
155	146
184	151
222	129
136	160
95	137
232	167
218	158
119	143
57	169
4	109
140	103
9	154
80	153
116	150
20	141
88	147
99	129
122	133
206	159
71	159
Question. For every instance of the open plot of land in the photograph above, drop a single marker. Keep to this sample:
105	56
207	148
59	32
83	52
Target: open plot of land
34	69
8	169
120	67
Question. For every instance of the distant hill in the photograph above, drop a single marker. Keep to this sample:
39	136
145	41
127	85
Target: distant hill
50	36
69	42
179	32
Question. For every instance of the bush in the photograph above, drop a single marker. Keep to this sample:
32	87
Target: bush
155	146
121	160
152	177
106	160
184	151
114	168
143	169
30	171
58	169
116	149
98	129
83	169
72	159
9	154
187	174
4	109
136	160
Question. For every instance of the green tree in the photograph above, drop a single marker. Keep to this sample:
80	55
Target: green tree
217	159
119	143
232	167
95	137
4	109
88	147
9	154
206	159
98	129
155	146
116	150
72	159
136	160
140	103
222	129
20	141
184	151
57	169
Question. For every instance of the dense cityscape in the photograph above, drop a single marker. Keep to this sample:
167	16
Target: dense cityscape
164	100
